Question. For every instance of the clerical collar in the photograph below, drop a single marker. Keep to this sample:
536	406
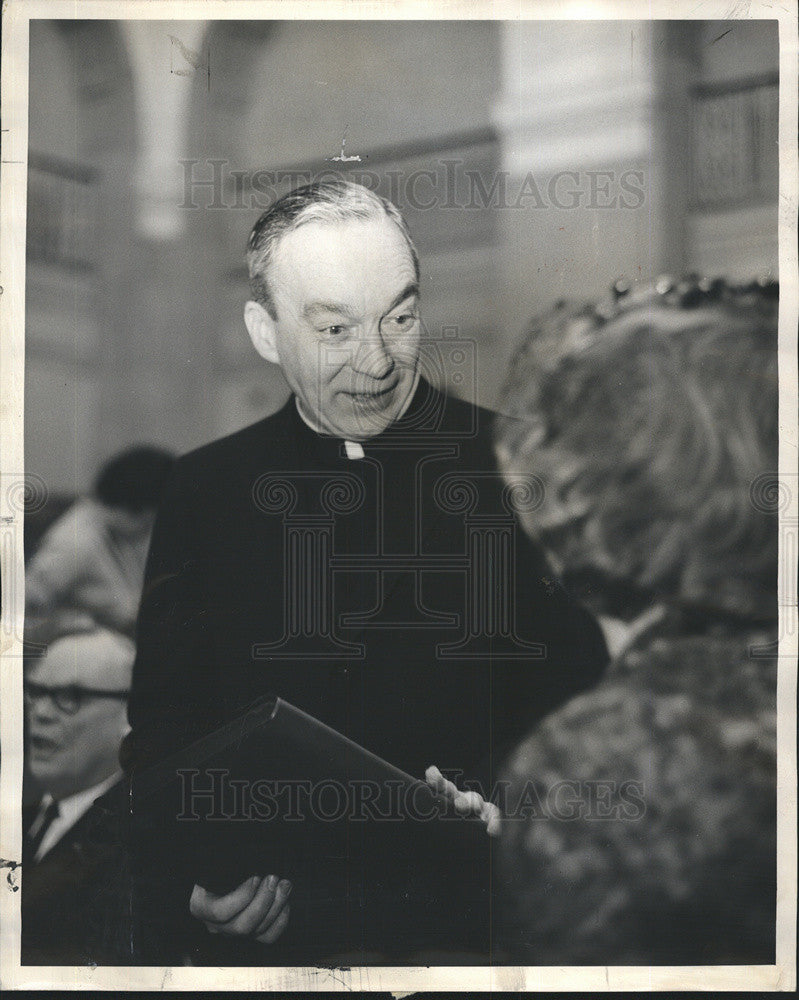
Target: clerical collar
354	449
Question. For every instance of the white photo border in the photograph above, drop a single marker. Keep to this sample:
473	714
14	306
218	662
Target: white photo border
16	17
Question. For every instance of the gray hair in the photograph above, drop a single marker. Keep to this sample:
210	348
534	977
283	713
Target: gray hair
653	434
324	201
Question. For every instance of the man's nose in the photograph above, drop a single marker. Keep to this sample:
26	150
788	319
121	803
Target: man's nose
43	712
372	359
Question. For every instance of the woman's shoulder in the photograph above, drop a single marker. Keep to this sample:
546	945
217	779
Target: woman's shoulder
734	671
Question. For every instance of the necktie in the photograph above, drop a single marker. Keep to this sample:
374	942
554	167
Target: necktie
39	828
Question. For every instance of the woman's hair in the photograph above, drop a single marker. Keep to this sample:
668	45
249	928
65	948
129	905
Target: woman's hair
651	422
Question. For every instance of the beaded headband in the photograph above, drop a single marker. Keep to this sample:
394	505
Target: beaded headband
689	292
579	325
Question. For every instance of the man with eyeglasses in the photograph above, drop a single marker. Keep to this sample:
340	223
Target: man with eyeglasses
76	698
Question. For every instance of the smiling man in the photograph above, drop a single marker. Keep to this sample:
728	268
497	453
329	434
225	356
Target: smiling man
354	553
346	330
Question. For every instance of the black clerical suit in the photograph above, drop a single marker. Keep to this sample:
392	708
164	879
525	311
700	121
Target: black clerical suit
390	596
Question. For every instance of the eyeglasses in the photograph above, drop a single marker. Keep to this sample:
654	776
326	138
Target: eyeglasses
70	698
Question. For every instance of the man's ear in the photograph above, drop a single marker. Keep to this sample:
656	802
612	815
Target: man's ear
262	329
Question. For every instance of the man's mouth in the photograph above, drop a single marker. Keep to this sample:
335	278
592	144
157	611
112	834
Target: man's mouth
375	398
43	747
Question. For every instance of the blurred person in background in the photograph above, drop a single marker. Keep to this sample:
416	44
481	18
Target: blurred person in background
89	568
76	698
645	810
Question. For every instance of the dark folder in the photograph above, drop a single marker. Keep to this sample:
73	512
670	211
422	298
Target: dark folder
377	859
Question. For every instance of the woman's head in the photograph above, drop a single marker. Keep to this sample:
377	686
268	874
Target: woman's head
653	427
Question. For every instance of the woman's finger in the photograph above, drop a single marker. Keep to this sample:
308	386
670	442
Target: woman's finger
493	819
439	783
469	802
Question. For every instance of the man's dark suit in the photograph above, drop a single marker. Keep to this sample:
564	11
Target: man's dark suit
366	592
73	907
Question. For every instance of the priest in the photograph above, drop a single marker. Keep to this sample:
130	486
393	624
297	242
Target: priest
357	554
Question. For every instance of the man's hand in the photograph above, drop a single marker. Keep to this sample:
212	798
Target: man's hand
258	908
468	803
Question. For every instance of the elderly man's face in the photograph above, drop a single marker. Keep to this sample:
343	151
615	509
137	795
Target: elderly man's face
76	713
347	329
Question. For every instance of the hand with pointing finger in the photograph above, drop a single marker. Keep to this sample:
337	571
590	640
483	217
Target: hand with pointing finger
258	909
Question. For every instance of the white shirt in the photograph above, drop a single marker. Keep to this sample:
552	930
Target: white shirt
70	811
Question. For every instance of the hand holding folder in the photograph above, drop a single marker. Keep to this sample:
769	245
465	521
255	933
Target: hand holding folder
373	853
259	908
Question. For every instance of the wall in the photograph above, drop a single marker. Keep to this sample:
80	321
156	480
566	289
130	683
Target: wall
732	230
135	330
80	124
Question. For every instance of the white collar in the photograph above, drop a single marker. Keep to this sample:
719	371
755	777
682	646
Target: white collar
621	635
70	811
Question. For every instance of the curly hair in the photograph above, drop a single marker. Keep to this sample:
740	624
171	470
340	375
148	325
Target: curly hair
650	431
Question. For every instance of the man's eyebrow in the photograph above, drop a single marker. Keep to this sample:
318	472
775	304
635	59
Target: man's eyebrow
343	310
327	307
406	293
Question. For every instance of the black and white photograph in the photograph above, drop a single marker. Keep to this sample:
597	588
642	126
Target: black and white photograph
399	505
